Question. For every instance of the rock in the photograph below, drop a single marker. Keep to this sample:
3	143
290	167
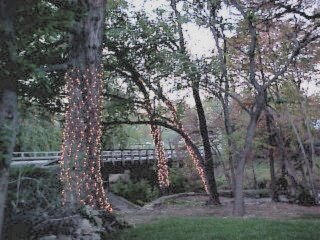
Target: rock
93	236
49	237
64	237
283	198
98	221
85	227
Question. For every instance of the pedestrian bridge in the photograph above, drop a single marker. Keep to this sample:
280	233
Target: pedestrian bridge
119	157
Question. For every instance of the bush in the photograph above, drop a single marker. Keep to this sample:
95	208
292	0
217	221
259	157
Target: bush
33	188
303	197
33	193
139	193
178	182
262	184
282	184
182	182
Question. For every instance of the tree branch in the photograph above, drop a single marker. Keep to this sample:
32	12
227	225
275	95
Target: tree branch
146	122
55	67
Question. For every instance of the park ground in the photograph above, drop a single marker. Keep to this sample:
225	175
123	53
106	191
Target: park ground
187	217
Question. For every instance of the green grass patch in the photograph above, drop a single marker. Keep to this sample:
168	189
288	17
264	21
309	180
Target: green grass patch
211	228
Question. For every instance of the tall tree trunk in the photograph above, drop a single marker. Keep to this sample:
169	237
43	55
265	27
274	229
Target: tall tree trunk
307	122
214	6
208	157
8	98
81	150
286	169
229	131
162	162
238	207
271	141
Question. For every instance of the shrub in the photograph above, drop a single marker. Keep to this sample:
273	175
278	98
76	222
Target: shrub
182	182
33	188
178	182
303	197
262	184
139	193
33	193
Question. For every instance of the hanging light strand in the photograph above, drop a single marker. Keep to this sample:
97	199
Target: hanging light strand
162	161
191	151
80	163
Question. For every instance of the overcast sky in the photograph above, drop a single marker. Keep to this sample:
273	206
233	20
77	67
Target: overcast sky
199	40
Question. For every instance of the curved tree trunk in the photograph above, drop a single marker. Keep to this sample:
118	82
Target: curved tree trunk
208	157
203	128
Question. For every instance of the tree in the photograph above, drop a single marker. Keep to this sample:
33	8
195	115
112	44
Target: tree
80	160
24	26
242	62
195	79
8	96
147	54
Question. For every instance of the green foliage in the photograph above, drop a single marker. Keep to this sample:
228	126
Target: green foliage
224	229
182	182
178	182
33	189
303	197
140	192
115	138
41	37
38	131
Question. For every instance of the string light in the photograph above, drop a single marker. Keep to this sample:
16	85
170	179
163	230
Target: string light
80	163
191	151
162	161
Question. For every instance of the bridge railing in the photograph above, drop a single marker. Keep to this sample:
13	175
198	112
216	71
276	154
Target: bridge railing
111	156
34	156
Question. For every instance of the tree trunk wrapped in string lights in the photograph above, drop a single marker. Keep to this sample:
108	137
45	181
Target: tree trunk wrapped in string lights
80	161
162	161
191	150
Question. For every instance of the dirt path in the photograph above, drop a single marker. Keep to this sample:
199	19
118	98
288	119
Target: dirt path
194	206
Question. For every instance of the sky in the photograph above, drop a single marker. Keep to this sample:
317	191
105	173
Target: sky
199	40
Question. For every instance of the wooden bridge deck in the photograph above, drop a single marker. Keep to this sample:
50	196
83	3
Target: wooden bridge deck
114	157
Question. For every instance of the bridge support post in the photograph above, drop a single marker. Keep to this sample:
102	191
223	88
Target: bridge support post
106	183
105	177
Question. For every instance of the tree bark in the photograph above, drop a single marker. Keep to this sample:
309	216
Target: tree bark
8	99
271	140
229	132
238	207
224	98
80	161
208	157
203	127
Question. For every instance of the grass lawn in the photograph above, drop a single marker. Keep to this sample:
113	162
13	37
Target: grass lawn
212	228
